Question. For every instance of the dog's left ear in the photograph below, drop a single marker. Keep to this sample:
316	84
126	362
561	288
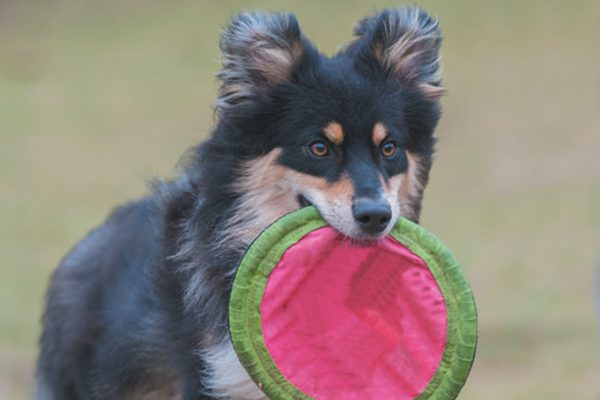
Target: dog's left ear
259	51
405	43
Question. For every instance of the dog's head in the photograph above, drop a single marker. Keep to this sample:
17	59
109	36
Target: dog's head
351	134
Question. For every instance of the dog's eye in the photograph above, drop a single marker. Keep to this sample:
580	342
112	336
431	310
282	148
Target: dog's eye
319	148
388	149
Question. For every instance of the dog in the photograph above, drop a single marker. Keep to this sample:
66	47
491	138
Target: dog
138	309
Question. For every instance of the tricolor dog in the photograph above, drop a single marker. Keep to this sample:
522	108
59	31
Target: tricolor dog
138	309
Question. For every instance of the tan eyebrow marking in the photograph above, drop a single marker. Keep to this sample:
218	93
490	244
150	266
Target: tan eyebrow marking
334	132
379	133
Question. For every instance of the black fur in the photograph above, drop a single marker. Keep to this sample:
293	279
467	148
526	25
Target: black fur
131	306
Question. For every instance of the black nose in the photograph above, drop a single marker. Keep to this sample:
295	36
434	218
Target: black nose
371	215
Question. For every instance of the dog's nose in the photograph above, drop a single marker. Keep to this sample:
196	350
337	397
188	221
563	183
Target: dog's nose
372	216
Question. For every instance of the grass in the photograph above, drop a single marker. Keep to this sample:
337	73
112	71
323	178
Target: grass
96	98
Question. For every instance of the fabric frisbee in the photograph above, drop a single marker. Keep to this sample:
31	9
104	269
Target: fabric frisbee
315	315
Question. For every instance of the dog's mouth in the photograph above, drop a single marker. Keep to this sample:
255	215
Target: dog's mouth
356	236
348	227
303	201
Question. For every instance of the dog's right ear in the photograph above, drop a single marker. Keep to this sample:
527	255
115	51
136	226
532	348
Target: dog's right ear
259	50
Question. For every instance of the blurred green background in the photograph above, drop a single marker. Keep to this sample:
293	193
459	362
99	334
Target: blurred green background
98	97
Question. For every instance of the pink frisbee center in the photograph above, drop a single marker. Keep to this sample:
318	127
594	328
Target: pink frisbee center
345	321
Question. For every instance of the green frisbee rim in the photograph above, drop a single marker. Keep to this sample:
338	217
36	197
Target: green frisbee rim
263	256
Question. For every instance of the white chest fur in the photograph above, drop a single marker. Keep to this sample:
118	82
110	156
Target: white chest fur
226	378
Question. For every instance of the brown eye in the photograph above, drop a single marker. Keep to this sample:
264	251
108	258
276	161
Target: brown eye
319	148
388	149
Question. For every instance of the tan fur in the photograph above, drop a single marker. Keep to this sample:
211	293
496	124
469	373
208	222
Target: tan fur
270	190
266	196
257	54
404	191
342	187
391	192
403	55
334	132
379	133
334	200
275	63
432	92
411	189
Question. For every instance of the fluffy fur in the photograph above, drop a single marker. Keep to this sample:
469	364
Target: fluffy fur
137	310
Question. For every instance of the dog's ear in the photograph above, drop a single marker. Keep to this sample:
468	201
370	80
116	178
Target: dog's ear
405	42
259	50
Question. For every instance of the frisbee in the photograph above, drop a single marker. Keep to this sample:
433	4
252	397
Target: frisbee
316	315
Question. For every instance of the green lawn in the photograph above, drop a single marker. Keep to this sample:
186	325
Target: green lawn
98	97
